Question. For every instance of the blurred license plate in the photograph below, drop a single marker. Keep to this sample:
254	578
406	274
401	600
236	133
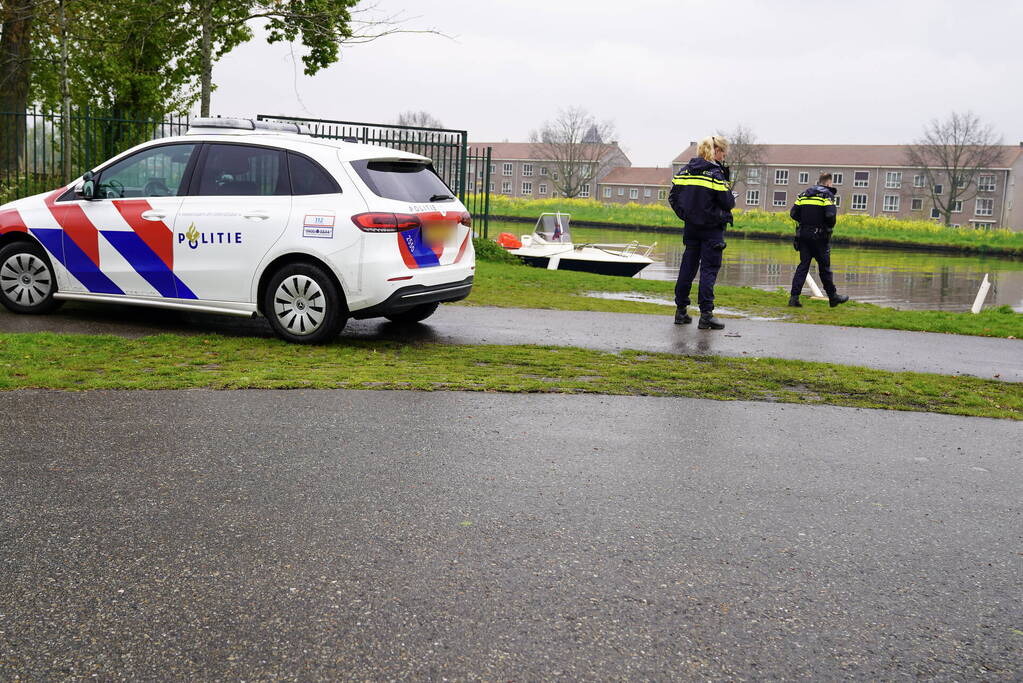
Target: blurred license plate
438	233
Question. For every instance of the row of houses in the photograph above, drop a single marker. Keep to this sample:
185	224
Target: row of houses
872	180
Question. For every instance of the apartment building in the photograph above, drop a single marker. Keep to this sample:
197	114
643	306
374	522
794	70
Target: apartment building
875	180
635	184
517	170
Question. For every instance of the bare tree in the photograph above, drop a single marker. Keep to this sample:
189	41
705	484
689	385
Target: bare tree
951	153
418	119
744	152
575	147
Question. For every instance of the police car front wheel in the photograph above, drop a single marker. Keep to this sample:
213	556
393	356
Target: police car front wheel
27	282
303	305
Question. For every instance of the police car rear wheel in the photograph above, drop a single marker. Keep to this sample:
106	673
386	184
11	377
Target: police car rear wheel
27	282
304	305
414	315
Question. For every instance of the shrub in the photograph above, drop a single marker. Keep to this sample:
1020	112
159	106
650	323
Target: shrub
487	250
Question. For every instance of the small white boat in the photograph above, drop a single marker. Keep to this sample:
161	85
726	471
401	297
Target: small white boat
551	247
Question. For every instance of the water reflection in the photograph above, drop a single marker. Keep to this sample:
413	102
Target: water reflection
902	279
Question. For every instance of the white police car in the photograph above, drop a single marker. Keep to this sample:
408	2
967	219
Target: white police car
245	218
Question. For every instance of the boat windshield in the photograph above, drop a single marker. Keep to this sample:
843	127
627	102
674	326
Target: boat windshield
553	227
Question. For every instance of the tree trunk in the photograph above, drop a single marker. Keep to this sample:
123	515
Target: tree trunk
206	63
15	52
65	99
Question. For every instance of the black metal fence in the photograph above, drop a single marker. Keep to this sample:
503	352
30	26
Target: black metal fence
40	150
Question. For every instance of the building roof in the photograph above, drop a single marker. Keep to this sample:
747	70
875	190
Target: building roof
844	155
523	150
635	175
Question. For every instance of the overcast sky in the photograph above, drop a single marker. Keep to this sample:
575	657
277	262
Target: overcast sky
664	71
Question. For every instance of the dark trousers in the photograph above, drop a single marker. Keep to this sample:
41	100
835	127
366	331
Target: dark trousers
703	252
810	249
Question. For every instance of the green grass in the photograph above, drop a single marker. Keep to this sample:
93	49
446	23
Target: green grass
851	229
517	286
83	362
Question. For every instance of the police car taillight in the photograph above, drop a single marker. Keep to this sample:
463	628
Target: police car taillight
466	219
386	222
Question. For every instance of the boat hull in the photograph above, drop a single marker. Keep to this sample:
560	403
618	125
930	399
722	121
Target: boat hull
619	268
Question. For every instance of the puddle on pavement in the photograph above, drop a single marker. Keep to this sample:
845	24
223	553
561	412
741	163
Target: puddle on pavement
643	298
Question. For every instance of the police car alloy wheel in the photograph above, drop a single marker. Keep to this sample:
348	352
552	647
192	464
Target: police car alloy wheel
413	315
303	305
27	282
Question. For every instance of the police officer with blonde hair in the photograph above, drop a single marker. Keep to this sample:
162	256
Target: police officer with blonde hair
702	197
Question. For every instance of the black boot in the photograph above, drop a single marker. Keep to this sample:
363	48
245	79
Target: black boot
836	299
682	317
794	301
709	322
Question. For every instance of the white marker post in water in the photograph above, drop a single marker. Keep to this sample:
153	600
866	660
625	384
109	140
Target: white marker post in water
978	303
813	287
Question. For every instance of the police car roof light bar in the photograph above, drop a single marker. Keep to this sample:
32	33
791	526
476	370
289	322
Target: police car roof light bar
248	124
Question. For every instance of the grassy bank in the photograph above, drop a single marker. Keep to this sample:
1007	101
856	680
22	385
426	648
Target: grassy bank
82	362
851	229
508	284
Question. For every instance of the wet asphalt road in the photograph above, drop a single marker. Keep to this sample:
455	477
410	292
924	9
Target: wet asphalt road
325	535
893	350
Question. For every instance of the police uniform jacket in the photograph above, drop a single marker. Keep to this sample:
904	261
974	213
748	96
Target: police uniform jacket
701	196
815	212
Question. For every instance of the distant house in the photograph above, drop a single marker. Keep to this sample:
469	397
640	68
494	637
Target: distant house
635	184
874	180
518	170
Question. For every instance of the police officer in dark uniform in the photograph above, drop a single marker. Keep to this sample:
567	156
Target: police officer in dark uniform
815	213
702	197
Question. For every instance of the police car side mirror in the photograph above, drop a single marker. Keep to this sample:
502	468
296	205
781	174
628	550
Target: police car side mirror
87	188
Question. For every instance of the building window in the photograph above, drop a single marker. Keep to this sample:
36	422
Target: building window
585	192
935	213
986	183
542	188
554	175
506	187
647	192
472	186
633	193
938	189
890	203
621	191
543	170
957	206
916	205
837	178
527	188
861	178
506	169
752	197
607	193
493	169
961	182
838	200
491	187
804	177
781	198
781	176
859	202
893	180
662	194
919	180
527	170
985	207
982	225
753	176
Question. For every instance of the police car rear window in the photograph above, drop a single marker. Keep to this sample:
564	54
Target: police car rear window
407	181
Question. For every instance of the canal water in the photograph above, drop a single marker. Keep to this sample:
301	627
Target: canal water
887	277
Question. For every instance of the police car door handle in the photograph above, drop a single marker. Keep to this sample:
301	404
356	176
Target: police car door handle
257	215
152	215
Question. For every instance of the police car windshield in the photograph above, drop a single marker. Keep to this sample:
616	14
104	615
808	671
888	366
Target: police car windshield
408	181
